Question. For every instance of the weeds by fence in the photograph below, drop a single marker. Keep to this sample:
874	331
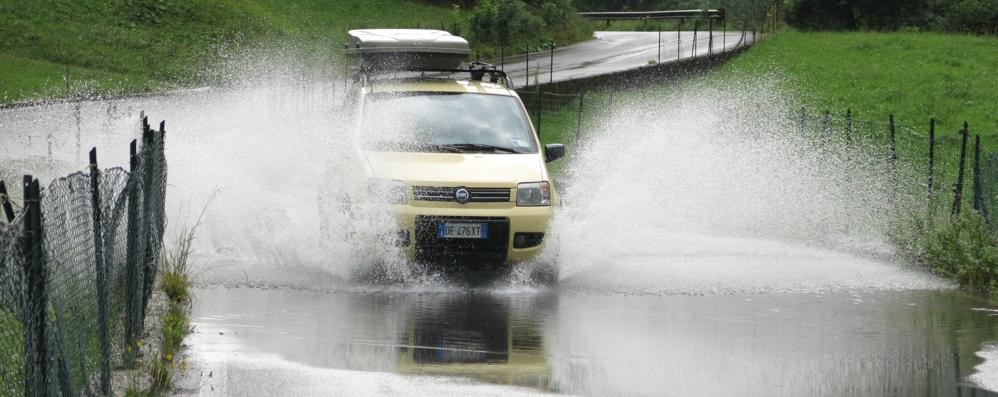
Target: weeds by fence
77	264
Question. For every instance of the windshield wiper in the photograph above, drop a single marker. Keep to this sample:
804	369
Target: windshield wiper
478	147
412	147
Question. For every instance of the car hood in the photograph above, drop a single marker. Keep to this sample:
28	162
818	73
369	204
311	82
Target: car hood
457	169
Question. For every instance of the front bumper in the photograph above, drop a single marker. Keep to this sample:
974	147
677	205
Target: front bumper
418	225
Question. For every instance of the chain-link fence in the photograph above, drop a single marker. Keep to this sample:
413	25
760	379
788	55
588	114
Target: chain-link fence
77	264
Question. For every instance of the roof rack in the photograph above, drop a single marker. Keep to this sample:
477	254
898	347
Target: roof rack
476	69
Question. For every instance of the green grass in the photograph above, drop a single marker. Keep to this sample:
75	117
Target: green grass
149	45
11	352
915	76
30	78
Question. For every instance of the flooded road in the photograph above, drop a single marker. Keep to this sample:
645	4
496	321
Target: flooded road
454	341
703	250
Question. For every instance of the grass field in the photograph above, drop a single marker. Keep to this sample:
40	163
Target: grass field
915	76
90	47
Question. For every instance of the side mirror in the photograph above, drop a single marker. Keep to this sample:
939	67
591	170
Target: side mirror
553	151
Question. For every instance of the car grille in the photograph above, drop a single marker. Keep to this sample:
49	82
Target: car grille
430	247
478	194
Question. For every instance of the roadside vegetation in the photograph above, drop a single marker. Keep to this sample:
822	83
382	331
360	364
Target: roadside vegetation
525	25
175	274
914	76
90	47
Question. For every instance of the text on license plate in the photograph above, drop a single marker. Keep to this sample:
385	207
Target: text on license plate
462	230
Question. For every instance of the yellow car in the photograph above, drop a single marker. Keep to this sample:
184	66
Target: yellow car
454	156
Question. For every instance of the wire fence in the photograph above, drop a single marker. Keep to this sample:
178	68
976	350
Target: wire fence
929	172
77	265
932	171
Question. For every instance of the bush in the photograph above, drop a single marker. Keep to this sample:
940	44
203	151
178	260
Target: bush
965	250
503	21
516	23
962	16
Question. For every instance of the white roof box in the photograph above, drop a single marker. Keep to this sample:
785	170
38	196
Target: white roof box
407	49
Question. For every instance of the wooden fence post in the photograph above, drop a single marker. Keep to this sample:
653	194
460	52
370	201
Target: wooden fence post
958	189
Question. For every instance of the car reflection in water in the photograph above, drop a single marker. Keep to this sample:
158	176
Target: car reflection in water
479	336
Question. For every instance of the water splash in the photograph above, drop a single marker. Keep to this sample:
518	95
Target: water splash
714	190
703	190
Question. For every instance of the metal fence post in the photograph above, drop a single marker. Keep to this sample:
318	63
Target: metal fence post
540	99
526	77
659	43
932	159
103	317
803	120
36	355
8	209
978	197
578	117
79	120
132	254
826	129
155	210
958	189
148	166
710	42
848	128
894	161
679	39
502	51
724	35
551	66
696	26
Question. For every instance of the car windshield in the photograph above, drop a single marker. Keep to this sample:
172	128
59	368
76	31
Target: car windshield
445	122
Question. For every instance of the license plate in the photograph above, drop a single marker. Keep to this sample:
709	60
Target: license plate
462	230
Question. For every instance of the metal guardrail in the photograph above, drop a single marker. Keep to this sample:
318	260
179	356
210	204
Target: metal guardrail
671	14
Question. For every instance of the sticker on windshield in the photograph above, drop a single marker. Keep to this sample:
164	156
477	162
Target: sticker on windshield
518	142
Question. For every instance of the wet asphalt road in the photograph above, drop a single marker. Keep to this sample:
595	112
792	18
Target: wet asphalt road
613	52
445	341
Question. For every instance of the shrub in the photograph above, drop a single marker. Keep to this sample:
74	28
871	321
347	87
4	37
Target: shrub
965	250
498	21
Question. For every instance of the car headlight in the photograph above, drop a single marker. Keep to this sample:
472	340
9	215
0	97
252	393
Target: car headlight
533	194
387	191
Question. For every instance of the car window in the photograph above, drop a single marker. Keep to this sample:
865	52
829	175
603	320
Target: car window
445	121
